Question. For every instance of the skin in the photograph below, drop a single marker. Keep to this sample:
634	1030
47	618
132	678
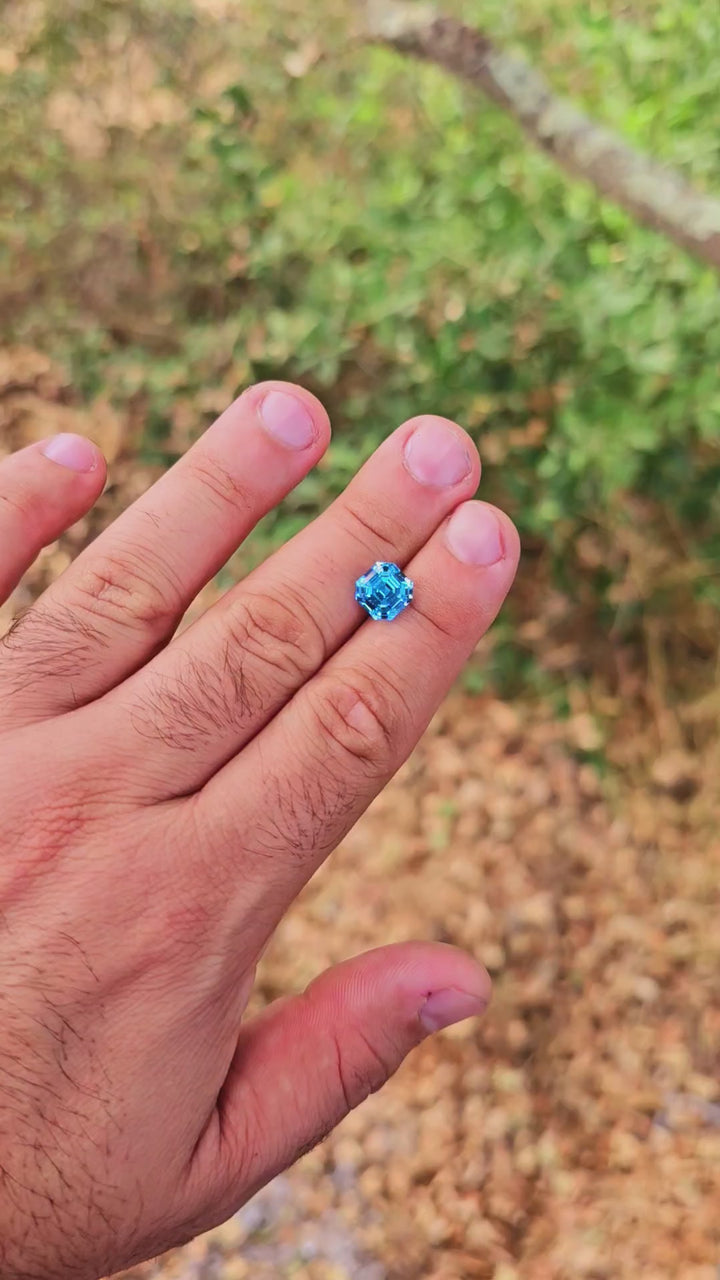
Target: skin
163	800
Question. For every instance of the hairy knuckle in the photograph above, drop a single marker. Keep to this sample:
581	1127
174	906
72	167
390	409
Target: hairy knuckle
183	709
47	642
305	814
124	589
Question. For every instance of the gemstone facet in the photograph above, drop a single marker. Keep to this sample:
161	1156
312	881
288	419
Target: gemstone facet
384	591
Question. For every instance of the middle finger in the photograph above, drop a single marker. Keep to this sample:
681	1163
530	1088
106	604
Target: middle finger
220	682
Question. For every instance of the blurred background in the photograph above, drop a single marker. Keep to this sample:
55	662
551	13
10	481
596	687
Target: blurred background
196	194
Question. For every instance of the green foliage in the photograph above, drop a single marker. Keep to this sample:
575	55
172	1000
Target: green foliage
371	229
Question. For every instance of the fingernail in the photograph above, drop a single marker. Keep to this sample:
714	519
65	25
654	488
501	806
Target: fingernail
474	535
436	455
287	420
443	1008
74	452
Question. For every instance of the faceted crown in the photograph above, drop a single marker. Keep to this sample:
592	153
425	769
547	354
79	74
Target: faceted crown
384	591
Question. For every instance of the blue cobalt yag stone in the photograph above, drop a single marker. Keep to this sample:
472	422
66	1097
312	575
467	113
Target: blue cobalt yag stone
384	591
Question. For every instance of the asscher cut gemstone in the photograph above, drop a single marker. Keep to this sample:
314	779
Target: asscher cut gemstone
384	591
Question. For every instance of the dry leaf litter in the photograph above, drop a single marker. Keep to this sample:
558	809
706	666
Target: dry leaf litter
575	1131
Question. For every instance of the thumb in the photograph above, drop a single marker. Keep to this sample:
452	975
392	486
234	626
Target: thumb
307	1061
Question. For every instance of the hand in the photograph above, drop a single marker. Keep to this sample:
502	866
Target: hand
162	802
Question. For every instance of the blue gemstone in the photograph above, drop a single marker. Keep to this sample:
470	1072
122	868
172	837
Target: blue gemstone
384	591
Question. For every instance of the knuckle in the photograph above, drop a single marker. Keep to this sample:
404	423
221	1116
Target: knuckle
238	1152
363	714
40	831
192	705
376	527
305	815
46	644
362	1067
26	506
280	633
49	640
198	700
183	921
123	588
217	482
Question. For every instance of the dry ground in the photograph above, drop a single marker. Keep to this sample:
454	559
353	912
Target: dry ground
575	1132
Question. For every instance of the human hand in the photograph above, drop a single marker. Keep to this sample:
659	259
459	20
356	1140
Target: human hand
162	802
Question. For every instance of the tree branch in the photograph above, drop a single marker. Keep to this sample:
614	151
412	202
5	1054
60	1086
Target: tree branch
657	196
